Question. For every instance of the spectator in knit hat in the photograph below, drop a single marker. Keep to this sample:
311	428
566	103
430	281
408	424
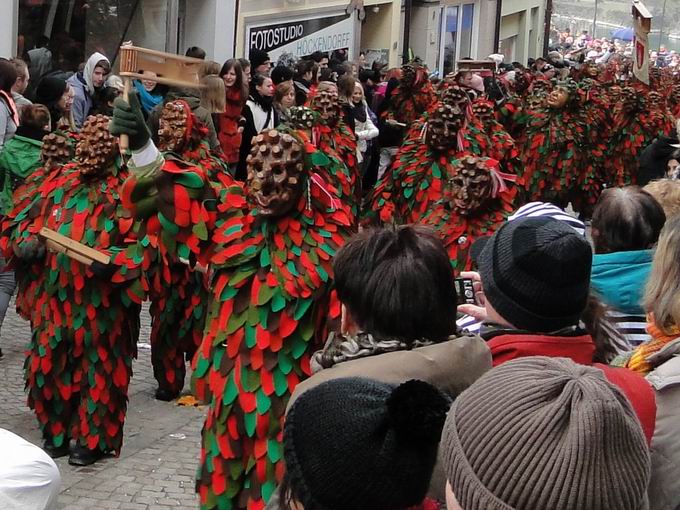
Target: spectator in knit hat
544	433
260	62
361	444
533	286
57	95
608	341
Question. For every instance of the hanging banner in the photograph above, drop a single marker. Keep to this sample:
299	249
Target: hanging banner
303	36
642	23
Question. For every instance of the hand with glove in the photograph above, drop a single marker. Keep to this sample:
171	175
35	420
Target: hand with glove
103	271
129	120
29	249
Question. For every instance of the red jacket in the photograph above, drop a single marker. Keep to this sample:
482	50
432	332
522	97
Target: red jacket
228	135
507	345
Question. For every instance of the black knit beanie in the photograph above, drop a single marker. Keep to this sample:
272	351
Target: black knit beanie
362	444
49	90
257	58
536	274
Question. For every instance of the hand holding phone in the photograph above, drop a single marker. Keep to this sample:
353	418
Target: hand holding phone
465	291
476	308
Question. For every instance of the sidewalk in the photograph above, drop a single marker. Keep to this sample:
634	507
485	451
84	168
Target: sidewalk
161	445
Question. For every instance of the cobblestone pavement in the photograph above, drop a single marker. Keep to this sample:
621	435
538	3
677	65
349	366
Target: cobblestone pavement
160	452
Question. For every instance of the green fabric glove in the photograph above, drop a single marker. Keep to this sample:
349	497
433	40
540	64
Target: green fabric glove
129	120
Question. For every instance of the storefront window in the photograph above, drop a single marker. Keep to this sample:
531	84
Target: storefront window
466	31
450	39
508	48
59	35
457	25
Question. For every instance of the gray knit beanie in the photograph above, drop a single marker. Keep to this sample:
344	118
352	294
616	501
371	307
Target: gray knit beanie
545	433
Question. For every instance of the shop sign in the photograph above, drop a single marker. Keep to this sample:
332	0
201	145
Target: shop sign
302	37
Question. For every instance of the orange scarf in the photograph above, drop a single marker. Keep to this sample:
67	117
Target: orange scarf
638	359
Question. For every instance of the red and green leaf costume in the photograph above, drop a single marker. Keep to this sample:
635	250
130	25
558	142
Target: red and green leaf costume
271	297
172	232
418	174
553	151
459	231
84	327
637	122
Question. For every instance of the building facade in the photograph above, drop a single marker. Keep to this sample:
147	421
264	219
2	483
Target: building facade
301	27
440	31
445	31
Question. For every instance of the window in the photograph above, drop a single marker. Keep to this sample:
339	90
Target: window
508	48
450	35
59	35
457	39
466	31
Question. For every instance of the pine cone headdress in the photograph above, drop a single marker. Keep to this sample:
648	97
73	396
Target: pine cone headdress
97	149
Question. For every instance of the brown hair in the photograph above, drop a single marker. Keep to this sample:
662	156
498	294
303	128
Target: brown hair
397	283
21	67
105	65
626	219
207	68
241	84
36	116
282	90
346	84
8	75
306	66
667	193
662	297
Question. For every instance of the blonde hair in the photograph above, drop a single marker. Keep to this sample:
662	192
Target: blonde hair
667	193
213	93
662	296
207	68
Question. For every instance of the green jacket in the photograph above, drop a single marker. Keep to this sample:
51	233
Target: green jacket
19	158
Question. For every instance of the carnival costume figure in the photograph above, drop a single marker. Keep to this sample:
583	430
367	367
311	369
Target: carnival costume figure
637	122
423	164
502	147
270	255
177	291
476	199
413	97
331	135
271	300
554	144
84	318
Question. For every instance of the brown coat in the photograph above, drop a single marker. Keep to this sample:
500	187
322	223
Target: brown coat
451	366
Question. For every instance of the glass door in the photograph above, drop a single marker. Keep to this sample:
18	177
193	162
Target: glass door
449	39
456	35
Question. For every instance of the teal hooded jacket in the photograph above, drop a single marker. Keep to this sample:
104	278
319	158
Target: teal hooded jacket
620	279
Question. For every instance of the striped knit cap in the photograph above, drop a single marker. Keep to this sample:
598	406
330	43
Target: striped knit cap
545	433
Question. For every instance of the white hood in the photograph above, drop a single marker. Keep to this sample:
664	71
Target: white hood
89	69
